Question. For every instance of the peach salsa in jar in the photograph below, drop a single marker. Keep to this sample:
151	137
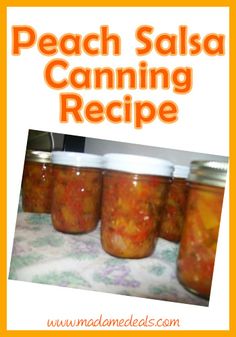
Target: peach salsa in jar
200	233
77	187
134	193
37	182
173	215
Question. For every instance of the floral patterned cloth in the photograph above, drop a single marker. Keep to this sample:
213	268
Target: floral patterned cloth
43	255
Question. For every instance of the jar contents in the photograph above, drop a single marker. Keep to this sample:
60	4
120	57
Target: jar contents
131	211
173	215
200	233
76	198
37	183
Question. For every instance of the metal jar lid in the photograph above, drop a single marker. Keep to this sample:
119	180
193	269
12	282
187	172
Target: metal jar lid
208	172
38	156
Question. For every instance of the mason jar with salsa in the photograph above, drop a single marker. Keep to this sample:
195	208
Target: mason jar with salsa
134	194
200	233
37	182
77	187
173	215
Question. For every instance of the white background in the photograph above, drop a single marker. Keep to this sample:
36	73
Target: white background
202	127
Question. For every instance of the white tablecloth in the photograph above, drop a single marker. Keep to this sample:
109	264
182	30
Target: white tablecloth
43	255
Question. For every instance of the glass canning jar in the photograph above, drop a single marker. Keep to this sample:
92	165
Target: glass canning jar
77	187
173	214
134	192
37	182
200	233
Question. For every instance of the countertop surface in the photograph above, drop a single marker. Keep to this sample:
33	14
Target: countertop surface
43	255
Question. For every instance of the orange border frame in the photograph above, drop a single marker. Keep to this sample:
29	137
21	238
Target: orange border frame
3	167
